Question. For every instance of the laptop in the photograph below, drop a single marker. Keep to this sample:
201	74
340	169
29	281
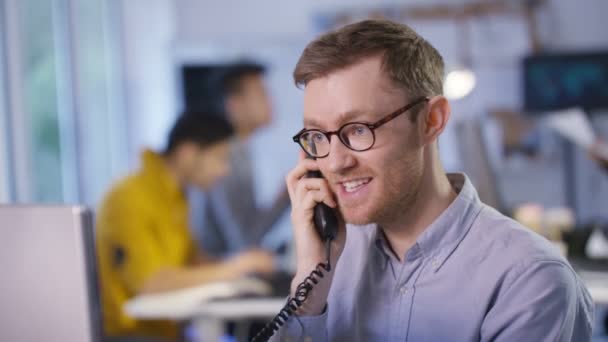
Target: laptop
48	290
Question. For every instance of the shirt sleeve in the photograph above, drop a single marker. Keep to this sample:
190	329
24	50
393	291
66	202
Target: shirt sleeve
303	328
136	251
544	301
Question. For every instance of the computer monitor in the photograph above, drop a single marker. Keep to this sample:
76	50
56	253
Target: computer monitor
558	81
48	290
200	89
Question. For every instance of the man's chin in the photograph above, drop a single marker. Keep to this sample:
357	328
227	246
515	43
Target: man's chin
359	222
355	218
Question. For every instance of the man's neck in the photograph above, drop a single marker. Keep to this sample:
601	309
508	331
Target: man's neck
434	197
173	170
244	134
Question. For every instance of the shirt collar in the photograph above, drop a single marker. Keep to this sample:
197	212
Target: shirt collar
382	246
441	238
156	171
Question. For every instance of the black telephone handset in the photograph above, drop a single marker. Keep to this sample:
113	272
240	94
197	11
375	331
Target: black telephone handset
326	223
324	217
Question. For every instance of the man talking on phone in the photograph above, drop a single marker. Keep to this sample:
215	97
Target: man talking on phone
418	257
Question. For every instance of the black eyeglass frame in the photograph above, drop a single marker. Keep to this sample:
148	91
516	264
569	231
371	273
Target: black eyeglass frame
372	127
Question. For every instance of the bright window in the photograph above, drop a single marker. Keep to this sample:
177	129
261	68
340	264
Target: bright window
64	125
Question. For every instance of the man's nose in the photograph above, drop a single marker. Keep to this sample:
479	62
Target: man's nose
340	157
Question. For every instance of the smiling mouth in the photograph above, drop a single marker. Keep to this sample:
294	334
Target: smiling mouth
354	185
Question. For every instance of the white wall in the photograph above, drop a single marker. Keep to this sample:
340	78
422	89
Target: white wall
575	25
148	33
264	19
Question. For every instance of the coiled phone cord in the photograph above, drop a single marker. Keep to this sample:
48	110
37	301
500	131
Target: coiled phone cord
294	303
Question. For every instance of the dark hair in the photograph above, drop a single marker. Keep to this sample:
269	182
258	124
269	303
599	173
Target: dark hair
409	60
203	130
207	86
230	76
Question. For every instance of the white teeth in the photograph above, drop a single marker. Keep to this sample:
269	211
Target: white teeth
354	185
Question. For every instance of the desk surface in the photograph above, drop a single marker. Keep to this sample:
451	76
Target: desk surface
185	304
234	309
597	284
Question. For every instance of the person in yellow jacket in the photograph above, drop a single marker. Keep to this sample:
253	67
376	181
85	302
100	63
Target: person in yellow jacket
144	243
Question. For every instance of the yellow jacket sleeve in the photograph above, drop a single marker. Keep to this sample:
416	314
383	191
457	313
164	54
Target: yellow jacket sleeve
138	244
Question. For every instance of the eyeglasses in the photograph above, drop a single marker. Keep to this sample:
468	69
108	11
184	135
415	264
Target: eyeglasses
357	136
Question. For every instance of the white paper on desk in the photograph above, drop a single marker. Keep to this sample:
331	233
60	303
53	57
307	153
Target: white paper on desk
180	304
573	125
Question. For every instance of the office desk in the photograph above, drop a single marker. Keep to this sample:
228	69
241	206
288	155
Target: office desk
210	306
209	317
597	284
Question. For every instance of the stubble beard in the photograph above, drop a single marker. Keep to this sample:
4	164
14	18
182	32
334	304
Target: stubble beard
398	195
401	195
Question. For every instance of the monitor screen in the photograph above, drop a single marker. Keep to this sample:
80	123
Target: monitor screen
559	81
200	89
49	287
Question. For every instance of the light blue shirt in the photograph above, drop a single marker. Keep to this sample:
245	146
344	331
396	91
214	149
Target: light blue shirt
473	275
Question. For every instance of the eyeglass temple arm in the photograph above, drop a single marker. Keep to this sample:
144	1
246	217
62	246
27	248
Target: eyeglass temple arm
398	112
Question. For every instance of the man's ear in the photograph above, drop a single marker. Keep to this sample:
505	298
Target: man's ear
435	119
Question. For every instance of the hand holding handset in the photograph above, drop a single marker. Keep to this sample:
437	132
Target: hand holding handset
326	224
324	217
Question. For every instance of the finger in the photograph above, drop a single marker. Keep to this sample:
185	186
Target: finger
300	170
326	196
314	184
307	184
314	197
298	173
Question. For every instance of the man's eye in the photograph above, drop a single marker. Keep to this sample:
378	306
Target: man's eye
318	137
359	131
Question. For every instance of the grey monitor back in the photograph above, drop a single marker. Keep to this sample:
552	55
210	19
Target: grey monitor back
48	286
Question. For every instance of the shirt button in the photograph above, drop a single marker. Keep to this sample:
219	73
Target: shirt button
403	290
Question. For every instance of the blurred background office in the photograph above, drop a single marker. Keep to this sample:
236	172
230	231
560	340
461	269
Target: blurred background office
85	85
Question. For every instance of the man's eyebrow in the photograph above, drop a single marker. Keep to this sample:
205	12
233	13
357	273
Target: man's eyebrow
350	116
